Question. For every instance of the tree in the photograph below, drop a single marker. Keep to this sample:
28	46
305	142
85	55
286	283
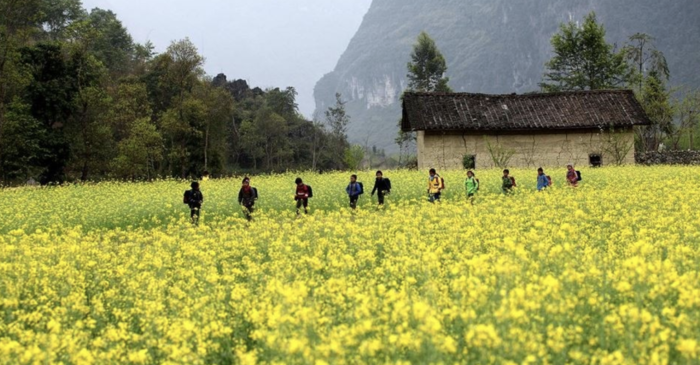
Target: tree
337	120
182	68
219	111
656	102
318	143
22	151
283	102
688	115
18	23
50	95
182	129
426	73
427	69
88	130
56	16
80	100
583	60
139	143
111	44
266	137
643	58
140	151
354	156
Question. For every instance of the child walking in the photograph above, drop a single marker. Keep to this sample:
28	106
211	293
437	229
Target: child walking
436	184
246	198
508	182
542	180
354	190
472	186
382	186
302	195
194	199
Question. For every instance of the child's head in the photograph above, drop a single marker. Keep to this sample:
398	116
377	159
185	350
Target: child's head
570	167
195	185
353	178
298	181
506	172
205	173
540	171
246	181
470	173
379	175
432	172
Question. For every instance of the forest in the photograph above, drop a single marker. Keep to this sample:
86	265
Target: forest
80	100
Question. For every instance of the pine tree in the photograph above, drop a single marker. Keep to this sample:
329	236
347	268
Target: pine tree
426	71
656	102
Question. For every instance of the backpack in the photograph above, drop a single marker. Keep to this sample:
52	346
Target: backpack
186	198
255	193
578	176
442	181
311	191
362	188
478	185
388	184
549	179
512	179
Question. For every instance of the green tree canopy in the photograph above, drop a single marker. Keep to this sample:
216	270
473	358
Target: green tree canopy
427	69
583	60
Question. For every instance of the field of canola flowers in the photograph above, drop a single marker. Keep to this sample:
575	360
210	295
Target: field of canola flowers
109	273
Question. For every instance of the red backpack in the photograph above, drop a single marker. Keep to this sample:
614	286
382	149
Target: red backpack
512	179
549	179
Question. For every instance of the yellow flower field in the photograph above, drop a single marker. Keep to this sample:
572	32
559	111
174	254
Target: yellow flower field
608	273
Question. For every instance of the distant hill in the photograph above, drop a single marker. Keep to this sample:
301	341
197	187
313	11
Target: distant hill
491	46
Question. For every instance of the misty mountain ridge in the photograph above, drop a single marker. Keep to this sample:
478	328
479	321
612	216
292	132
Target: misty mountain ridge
491	46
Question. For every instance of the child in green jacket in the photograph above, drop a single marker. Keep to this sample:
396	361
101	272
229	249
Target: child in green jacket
472	186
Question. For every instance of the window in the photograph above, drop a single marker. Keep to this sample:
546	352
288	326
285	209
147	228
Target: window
595	160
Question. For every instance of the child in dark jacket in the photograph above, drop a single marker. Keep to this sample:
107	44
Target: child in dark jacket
246	198
194	199
382	186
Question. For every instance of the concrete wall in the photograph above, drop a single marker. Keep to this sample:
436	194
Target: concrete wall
557	148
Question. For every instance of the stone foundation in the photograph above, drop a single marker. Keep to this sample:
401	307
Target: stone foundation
669	158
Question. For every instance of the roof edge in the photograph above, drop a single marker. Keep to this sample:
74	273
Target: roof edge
528	95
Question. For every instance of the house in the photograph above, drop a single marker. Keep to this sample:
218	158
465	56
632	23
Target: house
459	130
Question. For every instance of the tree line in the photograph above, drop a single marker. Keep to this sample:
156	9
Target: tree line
79	99
584	60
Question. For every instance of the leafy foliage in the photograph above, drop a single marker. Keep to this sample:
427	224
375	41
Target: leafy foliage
80	100
427	69
583	60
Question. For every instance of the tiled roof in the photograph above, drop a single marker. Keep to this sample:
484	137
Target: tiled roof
479	112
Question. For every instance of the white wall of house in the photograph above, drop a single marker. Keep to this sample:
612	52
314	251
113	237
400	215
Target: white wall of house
533	149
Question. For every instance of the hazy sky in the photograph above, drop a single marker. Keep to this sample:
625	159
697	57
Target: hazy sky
270	43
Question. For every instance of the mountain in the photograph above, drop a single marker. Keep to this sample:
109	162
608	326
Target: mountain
491	46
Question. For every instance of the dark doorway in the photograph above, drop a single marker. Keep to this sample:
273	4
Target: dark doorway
595	160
